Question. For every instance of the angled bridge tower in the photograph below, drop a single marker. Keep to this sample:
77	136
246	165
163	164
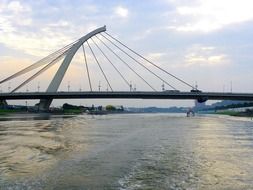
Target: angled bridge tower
55	83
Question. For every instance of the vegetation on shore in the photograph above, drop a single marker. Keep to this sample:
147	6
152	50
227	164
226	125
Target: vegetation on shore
231	108
240	105
65	109
72	109
7	111
246	113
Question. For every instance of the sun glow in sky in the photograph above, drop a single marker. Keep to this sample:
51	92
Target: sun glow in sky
208	42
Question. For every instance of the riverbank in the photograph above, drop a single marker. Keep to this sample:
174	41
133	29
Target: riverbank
235	113
8	112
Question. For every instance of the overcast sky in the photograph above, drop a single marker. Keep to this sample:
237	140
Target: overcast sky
208	42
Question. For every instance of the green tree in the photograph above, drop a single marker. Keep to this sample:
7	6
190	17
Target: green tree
110	108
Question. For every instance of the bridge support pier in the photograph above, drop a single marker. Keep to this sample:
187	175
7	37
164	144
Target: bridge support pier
44	105
202	99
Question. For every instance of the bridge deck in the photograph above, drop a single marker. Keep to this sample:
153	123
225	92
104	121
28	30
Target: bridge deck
126	95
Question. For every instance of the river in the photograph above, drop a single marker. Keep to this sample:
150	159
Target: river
126	152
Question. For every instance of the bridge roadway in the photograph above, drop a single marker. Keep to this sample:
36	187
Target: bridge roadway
127	95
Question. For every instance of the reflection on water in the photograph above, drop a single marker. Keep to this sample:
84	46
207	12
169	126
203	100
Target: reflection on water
29	146
142	151
24	117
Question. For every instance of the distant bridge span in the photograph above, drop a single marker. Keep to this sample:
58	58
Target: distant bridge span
202	96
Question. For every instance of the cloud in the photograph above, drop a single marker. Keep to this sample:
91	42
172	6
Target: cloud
22	28
6	26
155	57
33	44
13	14
16	7
42	42
211	15
121	11
199	55
193	59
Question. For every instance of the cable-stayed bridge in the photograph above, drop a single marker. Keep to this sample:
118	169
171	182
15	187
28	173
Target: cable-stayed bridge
100	40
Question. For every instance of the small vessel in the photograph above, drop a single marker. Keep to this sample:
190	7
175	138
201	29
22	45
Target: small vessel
190	113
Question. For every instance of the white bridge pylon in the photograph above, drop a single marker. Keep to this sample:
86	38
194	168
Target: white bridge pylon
55	83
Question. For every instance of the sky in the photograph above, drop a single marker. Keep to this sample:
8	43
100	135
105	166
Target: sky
204	42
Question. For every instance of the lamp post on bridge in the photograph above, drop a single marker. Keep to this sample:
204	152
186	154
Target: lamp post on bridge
38	87
99	86
131	86
9	87
163	87
196	85
68	86
134	87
